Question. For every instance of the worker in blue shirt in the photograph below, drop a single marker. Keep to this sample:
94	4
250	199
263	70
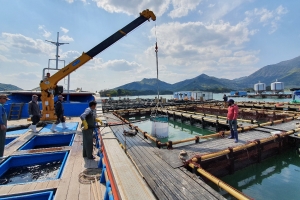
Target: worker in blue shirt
3	123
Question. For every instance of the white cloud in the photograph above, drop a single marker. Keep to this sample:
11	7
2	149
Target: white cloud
268	17
24	76
182	8
64	30
133	7
280	10
117	65
27	45
46	34
66	38
27	63
69	54
70	1
20	62
196	47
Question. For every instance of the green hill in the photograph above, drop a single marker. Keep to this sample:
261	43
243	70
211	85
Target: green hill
285	71
5	87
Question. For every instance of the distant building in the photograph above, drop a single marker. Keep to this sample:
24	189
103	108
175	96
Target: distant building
193	95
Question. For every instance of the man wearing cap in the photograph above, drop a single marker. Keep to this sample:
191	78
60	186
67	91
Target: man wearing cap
232	115
59	111
3	123
34	112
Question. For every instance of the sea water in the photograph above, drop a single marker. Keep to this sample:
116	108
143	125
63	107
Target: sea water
33	173
274	178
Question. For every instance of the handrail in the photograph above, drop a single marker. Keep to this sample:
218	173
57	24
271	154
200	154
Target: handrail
234	192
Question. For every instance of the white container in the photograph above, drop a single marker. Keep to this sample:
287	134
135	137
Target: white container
277	86
259	87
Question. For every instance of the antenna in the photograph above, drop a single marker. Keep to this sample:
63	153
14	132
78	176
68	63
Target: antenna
57	44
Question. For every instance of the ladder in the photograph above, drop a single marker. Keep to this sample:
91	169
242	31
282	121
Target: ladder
15	111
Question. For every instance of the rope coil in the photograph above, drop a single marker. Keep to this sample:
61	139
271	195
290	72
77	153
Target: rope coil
89	175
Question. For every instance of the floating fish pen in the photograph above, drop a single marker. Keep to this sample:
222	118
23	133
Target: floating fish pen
214	156
32	167
172	163
48	141
40	195
270	96
112	106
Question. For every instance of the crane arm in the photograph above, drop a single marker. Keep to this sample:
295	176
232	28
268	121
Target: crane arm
48	85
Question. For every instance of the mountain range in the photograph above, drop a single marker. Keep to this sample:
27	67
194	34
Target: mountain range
287	72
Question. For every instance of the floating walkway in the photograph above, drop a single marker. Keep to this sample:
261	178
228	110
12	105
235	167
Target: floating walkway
165	181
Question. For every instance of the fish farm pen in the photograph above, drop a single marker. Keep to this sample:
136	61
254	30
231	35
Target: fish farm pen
49	165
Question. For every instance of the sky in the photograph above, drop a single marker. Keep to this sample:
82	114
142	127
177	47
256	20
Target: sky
225	39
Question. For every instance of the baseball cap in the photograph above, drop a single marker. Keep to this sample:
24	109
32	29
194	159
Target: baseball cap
231	100
35	95
4	96
60	96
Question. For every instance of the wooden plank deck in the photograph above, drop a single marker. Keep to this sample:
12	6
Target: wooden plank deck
166	182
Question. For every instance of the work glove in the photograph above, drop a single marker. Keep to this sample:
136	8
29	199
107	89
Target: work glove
99	120
85	125
30	116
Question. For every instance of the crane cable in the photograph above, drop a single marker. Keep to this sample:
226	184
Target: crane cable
157	80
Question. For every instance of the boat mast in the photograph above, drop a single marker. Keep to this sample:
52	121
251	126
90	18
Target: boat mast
57	44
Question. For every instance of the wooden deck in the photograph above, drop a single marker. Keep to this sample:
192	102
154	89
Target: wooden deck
68	186
165	181
130	183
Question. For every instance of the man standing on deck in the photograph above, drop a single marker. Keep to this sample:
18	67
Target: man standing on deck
34	112
232	119
88	124
59	111
3	123
225	98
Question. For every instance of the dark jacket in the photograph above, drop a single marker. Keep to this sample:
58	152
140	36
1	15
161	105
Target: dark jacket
3	120
89	115
59	108
34	108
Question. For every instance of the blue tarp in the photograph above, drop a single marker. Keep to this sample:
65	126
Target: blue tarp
72	126
17	132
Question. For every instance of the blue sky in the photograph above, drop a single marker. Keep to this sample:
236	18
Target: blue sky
226	39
